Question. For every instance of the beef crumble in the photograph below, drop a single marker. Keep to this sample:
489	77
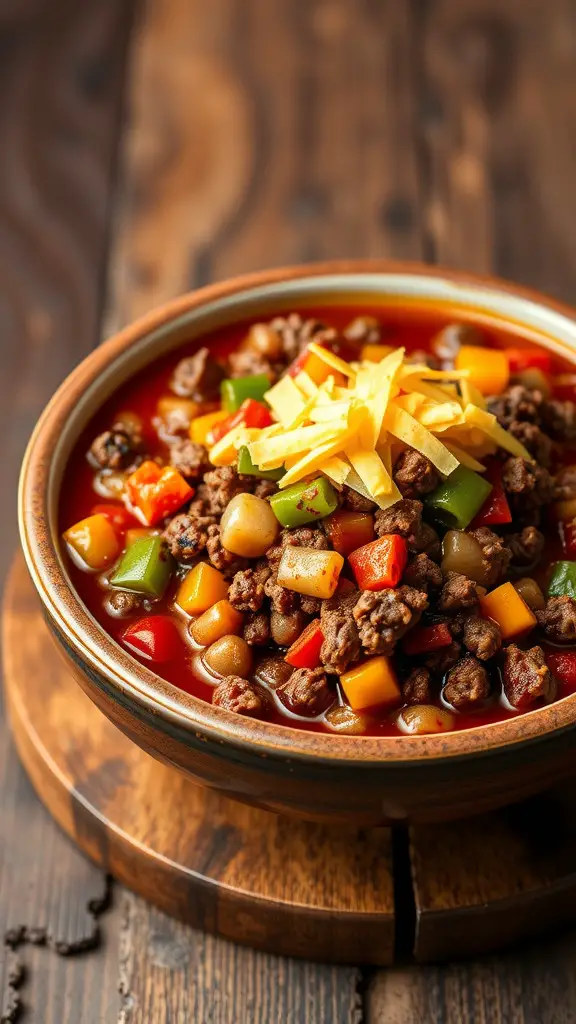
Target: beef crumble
558	619
467	684
527	678
115	449
307	692
457	593
341	644
417	688
384	617
239	695
414	474
495	556
198	377
482	637
525	547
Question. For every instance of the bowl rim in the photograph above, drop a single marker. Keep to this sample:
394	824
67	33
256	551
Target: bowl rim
154	696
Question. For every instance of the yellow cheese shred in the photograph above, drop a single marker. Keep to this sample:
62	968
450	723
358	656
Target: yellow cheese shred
406	428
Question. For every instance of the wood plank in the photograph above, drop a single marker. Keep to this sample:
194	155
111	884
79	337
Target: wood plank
275	133
60	95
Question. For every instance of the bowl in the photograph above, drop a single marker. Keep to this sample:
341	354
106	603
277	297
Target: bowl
353	779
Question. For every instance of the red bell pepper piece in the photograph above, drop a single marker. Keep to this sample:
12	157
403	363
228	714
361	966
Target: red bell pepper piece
157	492
527	358
250	414
381	563
154	638
563	665
118	516
495	509
305	651
569	540
349	530
424	639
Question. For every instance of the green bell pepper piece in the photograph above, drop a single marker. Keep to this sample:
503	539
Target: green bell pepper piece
304	502
247	468
146	567
458	498
236	390
563	580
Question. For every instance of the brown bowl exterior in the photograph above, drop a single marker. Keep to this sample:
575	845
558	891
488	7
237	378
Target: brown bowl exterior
358	780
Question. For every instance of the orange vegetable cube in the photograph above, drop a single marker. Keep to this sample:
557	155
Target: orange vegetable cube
217	621
137	532
201	426
95	541
375	353
203	587
489	368
374	682
509	610
157	492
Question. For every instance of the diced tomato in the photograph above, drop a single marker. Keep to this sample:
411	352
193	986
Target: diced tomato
250	414
305	651
424	639
495	509
381	563
563	665
569	540
526	358
349	530
157	492
154	637
120	518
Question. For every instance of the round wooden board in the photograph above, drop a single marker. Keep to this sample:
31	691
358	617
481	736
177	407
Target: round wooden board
279	884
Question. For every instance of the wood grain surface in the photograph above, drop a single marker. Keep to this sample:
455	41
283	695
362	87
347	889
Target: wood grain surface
261	134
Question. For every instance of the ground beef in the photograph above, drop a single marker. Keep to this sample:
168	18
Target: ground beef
527	678
467	685
482	637
123	602
385	616
296	333
221	485
310	605
417	689
246	593
265	488
405	518
559	419
247	363
189	458
421	572
273	672
414	474
527	485
282	600
495	555
438	662
525	547
341	644
225	561
305	537
237	694
355	502
363	330
307	692
517	403
558	619
198	377
457	593
115	449
565	484
256	631
186	536
534	440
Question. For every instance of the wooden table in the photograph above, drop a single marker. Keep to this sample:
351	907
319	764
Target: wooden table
148	151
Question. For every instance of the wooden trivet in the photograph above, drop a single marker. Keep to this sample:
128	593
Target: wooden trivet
283	885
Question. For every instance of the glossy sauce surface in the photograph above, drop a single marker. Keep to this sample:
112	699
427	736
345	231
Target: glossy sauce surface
406	325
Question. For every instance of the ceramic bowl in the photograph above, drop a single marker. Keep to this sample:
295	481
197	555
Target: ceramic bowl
359	780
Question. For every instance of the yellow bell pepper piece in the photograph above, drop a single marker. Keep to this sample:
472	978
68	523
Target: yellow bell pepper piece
203	587
374	682
309	571
509	610
375	353
201	426
95	541
488	367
